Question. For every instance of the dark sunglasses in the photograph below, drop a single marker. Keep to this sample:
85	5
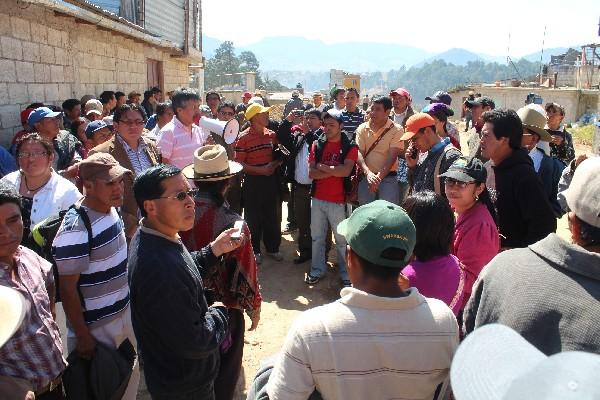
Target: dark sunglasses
181	196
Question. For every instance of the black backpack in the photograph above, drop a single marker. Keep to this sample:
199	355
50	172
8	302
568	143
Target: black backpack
42	235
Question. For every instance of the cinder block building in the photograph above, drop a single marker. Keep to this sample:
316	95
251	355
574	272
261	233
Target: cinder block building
52	50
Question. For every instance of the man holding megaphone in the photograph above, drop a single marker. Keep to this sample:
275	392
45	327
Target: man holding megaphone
178	139
260	191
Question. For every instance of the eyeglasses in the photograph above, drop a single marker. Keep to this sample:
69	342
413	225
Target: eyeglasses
459	184
37	154
181	196
137	122
230	113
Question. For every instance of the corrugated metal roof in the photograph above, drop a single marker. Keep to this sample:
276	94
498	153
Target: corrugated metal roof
166	18
108	5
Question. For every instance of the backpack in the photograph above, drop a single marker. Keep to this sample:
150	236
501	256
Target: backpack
43	235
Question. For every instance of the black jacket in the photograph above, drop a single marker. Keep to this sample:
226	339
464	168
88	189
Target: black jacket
550	172
294	144
524	212
178	335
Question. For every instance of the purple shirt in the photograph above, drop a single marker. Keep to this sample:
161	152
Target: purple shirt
476	242
440	277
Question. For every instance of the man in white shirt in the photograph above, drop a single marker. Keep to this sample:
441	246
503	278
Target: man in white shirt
379	340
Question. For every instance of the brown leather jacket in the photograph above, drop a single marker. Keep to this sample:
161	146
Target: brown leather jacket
129	210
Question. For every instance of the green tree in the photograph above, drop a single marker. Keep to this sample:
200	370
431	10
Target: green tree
225	61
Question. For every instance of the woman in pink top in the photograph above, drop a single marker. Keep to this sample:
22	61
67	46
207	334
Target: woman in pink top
476	239
434	271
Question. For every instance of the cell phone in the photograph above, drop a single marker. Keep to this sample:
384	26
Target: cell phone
298	113
238	230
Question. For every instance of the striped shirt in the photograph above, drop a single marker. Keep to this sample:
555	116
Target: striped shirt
254	148
103	271
367	347
139	158
34	351
352	120
177	143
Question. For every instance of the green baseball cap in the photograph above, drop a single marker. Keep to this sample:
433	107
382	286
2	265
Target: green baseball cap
378	226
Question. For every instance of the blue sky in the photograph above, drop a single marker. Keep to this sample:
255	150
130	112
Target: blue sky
434	25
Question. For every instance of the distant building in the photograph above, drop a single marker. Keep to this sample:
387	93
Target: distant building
343	79
53	50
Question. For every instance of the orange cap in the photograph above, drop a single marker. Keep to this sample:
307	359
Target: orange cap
416	122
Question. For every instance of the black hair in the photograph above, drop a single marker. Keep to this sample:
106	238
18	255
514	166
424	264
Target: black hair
506	124
434	222
69	104
119	94
162	107
147	94
155	90
215	189
314	111
590	234
148	184
385	101
226	104
9	194
212	93
380	272
106	96
180	97
353	90
123	108
35	105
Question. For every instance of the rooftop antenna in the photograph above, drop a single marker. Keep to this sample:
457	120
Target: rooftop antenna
509	61
542	56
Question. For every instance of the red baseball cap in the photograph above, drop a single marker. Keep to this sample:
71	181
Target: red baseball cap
415	123
247	95
25	115
401	92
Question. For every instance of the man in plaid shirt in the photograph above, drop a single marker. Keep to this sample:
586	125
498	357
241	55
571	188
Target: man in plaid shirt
33	357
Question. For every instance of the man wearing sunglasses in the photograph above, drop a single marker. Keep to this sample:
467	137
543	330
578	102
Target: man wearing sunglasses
438	154
179	335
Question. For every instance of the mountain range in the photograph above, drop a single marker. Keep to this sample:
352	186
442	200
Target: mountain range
285	53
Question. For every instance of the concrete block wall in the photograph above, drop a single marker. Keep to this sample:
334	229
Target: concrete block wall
46	57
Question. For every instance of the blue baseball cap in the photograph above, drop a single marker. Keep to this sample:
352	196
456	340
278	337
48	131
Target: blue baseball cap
94	127
40	113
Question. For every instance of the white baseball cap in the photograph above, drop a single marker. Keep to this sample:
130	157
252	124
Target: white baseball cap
583	195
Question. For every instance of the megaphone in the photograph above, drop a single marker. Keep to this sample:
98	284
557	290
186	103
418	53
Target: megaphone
228	130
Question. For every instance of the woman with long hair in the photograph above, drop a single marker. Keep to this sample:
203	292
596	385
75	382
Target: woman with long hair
234	281
435	272
476	240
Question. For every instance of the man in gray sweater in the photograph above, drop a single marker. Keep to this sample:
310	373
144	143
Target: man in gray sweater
549	292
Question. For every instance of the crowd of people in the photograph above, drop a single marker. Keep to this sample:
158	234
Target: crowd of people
150	230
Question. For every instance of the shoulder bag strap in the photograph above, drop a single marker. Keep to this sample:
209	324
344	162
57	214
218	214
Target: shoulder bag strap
437	184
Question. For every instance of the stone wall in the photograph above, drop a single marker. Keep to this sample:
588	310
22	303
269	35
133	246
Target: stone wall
46	57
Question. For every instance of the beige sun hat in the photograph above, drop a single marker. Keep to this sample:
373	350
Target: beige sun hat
211	164
13	308
534	120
